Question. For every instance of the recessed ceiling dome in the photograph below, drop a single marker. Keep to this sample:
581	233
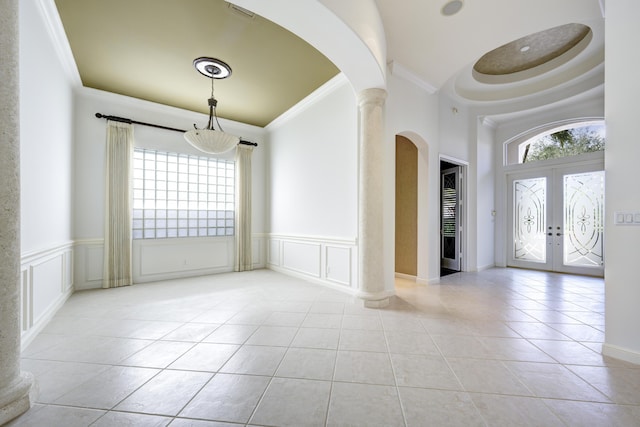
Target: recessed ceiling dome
531	51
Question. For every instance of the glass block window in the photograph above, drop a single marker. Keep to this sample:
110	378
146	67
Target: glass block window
181	195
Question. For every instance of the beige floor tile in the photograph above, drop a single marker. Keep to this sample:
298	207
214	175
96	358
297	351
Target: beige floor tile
226	397
317	338
308	363
205	357
438	408
364	405
160	354
57	416
488	376
364	367
166	393
293	402
108	388
514	411
424	371
361	340
255	360
123	419
231	334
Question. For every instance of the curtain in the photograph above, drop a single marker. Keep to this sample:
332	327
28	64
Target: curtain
117	226
243	208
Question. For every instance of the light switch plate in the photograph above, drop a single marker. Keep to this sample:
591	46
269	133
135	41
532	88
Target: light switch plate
626	218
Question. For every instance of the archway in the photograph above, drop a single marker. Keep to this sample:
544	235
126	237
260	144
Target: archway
425	223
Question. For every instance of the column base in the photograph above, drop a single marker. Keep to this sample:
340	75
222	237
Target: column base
15	399
376	300
381	303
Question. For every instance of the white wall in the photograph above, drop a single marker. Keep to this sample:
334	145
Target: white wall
413	113
622	152
313	181
313	174
46	105
151	257
485	202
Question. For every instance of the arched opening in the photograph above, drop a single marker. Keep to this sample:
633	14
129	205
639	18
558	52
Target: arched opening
406	258
556	140
416	249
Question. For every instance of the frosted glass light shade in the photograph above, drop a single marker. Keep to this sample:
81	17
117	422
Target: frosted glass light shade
211	141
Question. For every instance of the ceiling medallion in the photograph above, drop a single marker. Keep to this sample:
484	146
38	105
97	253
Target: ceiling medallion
212	67
210	140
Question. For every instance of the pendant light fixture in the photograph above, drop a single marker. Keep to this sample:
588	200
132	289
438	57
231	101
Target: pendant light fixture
209	139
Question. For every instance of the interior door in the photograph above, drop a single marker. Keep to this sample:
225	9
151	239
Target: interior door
450	180
557	219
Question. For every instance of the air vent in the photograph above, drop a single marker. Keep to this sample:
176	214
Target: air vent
241	11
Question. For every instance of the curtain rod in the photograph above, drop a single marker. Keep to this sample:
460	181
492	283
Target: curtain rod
125	120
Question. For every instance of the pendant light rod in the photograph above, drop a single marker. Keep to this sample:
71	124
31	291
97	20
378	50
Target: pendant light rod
130	121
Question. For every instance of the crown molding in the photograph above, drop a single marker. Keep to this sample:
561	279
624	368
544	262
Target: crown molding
308	101
402	72
53	23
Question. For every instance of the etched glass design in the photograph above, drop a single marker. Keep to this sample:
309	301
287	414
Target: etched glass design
449	209
180	195
584	219
529	211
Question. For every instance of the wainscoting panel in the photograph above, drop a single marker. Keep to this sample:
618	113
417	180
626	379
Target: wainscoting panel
325	260
159	259
258	252
338	264
88	264
302	257
274	252
47	282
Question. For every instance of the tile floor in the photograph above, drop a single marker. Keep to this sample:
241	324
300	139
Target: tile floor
503	347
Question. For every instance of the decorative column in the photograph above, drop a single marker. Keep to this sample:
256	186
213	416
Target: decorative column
371	199
14	385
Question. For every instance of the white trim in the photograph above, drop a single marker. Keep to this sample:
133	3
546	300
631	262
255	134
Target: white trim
402	72
406	277
292	273
30	257
59	39
485	267
315	96
310	238
621	353
452	159
60	287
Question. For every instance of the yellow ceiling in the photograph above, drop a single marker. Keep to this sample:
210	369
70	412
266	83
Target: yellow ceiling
145	49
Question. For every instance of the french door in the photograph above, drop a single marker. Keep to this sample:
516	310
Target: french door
557	219
450	221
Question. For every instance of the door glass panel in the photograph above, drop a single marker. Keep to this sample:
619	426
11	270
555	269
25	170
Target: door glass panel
529	211
449	209
584	219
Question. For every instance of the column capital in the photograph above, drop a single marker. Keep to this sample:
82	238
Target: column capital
372	96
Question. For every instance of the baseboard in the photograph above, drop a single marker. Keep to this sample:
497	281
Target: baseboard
312	279
406	277
486	267
621	353
28	336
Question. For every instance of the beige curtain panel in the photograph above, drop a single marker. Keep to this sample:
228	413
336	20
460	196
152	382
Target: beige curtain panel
117	226
244	260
